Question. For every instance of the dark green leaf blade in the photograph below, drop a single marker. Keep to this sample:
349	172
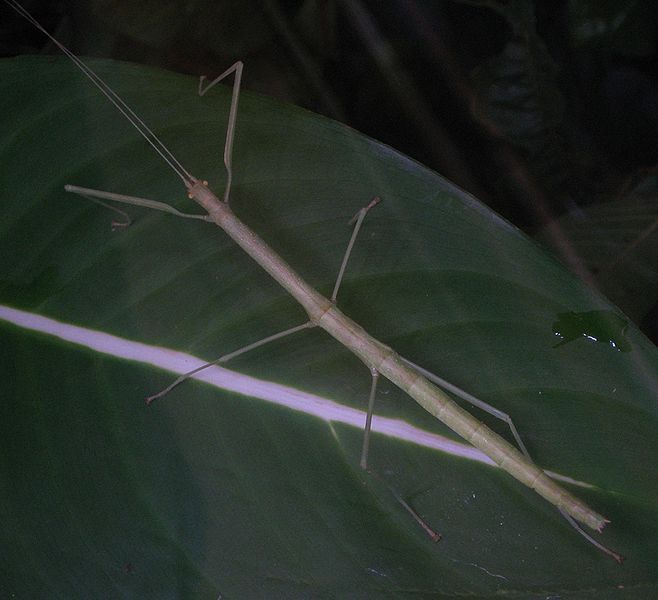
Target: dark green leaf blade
212	492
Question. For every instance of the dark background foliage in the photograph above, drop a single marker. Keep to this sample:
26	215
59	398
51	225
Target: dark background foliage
546	111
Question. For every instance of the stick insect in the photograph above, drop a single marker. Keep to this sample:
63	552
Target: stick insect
430	391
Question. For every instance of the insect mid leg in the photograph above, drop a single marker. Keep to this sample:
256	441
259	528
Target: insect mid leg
358	217
226	357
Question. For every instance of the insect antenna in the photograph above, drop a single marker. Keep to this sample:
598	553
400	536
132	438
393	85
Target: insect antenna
115	99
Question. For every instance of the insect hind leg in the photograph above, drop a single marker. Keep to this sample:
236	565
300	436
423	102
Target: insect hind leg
434	535
499	414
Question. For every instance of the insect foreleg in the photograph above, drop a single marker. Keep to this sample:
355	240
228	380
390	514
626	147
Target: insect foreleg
232	117
126	220
94	195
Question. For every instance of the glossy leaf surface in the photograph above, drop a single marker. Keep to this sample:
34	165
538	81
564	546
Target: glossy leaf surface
209	492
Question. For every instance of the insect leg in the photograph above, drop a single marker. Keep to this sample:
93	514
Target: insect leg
358	217
232	117
125	221
226	357
95	195
435	536
366	431
618	557
364	461
499	414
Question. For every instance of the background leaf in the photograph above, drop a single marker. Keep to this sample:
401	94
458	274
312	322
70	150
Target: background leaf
210	492
616	241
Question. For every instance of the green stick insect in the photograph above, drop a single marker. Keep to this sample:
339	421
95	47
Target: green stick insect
424	387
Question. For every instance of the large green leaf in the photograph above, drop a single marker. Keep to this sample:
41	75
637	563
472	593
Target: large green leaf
212	492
